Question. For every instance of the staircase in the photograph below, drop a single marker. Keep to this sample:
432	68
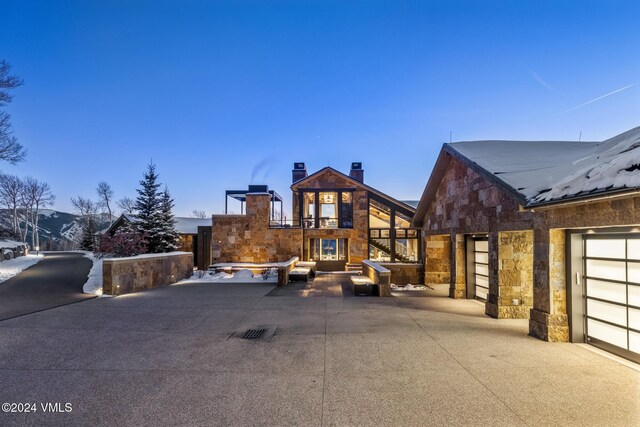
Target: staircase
386	249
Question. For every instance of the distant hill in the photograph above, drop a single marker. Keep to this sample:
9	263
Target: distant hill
58	230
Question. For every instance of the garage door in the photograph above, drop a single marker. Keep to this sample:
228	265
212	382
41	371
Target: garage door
481	268
612	291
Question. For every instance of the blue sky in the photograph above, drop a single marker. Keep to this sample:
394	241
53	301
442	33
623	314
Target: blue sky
224	93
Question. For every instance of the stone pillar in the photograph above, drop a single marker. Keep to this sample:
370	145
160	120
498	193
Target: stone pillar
549	320
437	264
515	275
458	280
258	209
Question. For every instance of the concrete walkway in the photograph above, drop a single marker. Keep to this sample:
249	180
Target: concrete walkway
56	280
165	357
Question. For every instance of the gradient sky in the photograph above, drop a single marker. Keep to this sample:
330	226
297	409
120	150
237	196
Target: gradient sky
221	94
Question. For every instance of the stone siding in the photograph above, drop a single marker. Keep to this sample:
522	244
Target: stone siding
248	238
125	275
515	275
526	247
437	265
404	274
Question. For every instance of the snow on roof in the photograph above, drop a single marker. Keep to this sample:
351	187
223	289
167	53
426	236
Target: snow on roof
548	171
190	225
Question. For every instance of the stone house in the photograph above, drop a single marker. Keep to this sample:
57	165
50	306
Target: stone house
545	230
338	221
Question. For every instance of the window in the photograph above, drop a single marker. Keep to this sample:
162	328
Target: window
327	209
327	249
346	213
309	214
390	236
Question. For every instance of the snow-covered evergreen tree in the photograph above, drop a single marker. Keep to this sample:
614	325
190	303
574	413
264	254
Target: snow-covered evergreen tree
148	204
169	238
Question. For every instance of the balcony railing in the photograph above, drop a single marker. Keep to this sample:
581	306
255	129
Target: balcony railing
323	222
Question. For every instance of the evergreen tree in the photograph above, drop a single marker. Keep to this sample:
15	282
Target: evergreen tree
88	242
147	208
169	238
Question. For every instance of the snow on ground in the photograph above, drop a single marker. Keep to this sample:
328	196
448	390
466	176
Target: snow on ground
408	287
242	276
93	285
11	267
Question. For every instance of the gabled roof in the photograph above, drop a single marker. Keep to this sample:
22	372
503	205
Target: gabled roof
539	173
355	182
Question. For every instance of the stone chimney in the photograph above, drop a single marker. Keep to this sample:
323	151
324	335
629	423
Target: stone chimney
357	172
299	172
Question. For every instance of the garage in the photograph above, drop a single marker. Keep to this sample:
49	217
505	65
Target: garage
611	293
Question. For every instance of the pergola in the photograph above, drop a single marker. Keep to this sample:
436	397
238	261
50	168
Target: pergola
241	195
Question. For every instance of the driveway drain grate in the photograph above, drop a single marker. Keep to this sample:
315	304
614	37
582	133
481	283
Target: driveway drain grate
253	334
256	333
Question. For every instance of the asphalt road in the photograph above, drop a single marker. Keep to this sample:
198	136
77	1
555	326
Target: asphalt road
56	280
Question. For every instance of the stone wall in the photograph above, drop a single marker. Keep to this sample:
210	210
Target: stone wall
379	275
403	274
468	203
125	275
186	243
515	276
248	238
437	265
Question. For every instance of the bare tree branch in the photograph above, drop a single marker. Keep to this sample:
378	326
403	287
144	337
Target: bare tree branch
199	214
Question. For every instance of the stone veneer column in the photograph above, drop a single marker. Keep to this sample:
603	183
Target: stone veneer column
549	320
458	280
437	265
515	275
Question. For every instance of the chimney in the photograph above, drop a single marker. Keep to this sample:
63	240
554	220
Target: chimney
357	172
299	172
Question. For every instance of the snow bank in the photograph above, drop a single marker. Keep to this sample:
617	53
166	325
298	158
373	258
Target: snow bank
11	267
93	285
242	276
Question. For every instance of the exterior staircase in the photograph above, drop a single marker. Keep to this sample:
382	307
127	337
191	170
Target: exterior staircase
386	249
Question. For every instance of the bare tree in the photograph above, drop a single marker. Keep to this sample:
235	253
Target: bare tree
42	197
10	192
127	204
105	193
25	207
199	214
10	149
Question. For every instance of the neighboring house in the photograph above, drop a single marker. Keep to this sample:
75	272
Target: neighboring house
338	221
545	230
195	236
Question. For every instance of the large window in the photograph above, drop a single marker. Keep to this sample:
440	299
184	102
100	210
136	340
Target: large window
309	214
327	249
390	238
327	209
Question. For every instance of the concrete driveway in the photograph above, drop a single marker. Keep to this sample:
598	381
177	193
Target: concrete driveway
56	280
167	357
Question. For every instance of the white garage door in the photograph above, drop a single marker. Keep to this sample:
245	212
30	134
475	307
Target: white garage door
481	268
612	278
